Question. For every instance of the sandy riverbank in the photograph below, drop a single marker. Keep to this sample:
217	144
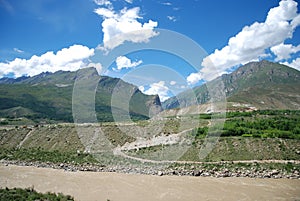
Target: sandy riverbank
101	186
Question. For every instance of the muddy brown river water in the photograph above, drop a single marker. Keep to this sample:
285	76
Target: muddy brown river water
99	186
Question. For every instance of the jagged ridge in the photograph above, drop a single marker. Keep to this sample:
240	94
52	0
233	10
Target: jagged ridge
264	84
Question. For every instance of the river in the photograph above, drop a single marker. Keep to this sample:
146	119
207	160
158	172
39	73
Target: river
102	186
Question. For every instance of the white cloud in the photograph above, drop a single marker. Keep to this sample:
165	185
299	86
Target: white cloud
296	21
68	59
193	78
294	64
124	62
129	1
124	26
158	88
284	51
173	82
172	18
103	3
167	3
18	50
142	88
105	13
252	42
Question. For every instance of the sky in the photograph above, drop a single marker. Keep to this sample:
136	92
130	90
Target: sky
161	46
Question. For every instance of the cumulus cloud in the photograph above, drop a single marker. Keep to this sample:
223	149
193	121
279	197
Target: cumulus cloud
284	51
252	42
294	63
105	13
69	59
158	88
124	62
193	78
118	27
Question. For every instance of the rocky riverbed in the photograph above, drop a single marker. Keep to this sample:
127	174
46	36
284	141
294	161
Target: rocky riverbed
221	169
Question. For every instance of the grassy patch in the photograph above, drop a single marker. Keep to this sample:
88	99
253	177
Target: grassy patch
29	194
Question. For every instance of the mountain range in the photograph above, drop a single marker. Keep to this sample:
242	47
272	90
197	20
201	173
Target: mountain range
48	96
264	85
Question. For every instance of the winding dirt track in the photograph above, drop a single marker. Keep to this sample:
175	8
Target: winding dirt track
118	152
99	186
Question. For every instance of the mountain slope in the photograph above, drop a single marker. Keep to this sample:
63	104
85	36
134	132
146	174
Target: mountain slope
263	84
49	96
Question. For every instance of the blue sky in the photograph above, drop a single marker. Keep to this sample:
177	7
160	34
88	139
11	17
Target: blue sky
51	35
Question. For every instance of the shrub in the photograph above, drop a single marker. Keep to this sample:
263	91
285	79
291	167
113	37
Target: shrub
29	194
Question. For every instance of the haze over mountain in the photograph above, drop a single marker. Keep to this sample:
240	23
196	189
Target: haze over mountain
264	84
49	96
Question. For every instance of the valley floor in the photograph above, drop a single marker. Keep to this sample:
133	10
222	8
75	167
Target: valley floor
133	187
257	157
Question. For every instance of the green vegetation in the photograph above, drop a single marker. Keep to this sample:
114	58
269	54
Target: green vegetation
266	124
36	102
29	194
262	124
48	97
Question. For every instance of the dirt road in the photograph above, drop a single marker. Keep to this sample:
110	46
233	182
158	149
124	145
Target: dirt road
85	186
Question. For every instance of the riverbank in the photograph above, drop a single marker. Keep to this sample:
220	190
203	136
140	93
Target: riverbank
250	169
105	186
